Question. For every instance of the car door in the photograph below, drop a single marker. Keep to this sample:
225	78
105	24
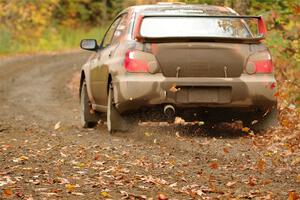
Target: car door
100	64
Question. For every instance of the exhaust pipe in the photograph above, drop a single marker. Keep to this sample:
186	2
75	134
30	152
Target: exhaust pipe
169	111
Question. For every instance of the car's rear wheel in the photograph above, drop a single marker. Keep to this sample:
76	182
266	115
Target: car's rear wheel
88	118
115	122
269	119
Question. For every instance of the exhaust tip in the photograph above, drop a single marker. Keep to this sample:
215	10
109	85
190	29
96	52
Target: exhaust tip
169	111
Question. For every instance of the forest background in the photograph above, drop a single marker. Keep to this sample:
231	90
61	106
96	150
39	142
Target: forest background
31	26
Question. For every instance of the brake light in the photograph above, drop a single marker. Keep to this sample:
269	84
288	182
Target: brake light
264	66
260	63
135	62
140	61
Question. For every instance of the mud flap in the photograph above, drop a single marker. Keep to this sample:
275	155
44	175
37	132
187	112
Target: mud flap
115	122
270	119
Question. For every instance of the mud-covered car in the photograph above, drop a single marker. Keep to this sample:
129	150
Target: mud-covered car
178	57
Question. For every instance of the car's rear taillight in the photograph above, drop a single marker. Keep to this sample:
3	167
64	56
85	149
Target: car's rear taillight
139	61
260	63
134	63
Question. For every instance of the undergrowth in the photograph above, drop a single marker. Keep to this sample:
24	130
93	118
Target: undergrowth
52	39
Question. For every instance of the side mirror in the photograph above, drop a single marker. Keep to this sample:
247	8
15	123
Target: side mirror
89	44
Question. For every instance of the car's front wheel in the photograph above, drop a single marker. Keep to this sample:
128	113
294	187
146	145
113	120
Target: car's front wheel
88	118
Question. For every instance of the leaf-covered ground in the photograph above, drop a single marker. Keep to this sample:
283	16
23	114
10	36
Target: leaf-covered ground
45	154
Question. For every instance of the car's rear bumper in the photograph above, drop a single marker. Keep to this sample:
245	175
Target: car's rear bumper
134	90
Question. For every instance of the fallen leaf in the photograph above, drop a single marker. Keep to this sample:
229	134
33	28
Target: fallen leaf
124	193
20	195
147	123
268	196
30	198
293	195
267	181
173	184
105	194
48	194
63	155
298	178
77	193
295	161
225	150
251	133
199	192
260	165
162	197
201	123
268	154
148	134
179	120
286	123
206	142
174	89
162	124
7	192
254	122
70	187
22	158
245	129
251	181
214	165
229	145
156	181
97	157
57	126
292	106
230	184
80	165
40	189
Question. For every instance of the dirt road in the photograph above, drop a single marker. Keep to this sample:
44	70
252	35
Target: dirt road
38	161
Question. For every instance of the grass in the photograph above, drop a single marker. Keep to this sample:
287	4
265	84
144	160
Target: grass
52	39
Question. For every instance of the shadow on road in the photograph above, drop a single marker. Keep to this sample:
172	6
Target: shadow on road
189	124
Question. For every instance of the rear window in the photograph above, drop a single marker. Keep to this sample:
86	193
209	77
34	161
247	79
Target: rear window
157	27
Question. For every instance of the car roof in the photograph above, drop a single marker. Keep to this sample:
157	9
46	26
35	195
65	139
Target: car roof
185	9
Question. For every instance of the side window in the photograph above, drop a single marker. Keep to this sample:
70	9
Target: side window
121	29
110	33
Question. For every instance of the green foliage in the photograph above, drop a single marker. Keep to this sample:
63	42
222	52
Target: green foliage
6	41
28	17
34	25
77	12
282	18
52	39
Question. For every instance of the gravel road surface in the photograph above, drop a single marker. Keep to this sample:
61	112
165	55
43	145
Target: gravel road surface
45	154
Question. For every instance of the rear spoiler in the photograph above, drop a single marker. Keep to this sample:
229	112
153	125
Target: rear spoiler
261	28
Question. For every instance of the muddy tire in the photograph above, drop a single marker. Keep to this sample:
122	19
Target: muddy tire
115	122
87	118
268	120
